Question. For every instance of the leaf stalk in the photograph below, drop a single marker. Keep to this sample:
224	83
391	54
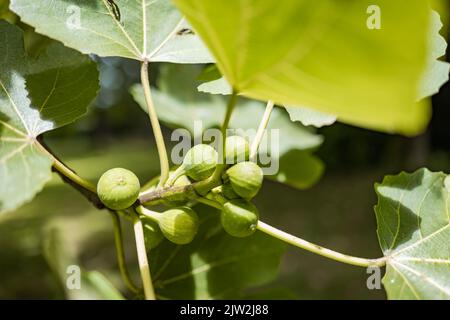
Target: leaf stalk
144	267
260	133
160	144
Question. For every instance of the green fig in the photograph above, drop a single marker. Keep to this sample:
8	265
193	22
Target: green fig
245	178
239	218
118	188
179	225
198	164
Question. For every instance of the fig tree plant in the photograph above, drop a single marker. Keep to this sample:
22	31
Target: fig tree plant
320	61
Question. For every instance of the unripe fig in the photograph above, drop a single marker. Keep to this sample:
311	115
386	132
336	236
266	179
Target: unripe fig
118	188
236	149
239	218
152	232
245	178
179	225
200	162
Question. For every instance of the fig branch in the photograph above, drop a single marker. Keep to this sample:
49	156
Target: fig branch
64	170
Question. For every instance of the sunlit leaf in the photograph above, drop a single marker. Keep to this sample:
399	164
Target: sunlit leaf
137	29
322	55
413	215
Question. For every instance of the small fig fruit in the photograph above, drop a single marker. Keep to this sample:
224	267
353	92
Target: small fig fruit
245	178
179	225
236	149
200	162
239	218
118	188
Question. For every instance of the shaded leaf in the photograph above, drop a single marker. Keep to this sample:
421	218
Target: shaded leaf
414	233
299	169
209	73
138	29
61	255
34	99
179	104
322	55
217	86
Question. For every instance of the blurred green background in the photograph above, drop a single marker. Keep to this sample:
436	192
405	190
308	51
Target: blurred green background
337	212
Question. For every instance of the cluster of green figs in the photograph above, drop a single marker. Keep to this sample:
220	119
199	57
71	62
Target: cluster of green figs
240	178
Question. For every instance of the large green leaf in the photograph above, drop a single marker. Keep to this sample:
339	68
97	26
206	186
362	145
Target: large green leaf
35	97
413	215
137	29
436	74
61	84
321	54
215	265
